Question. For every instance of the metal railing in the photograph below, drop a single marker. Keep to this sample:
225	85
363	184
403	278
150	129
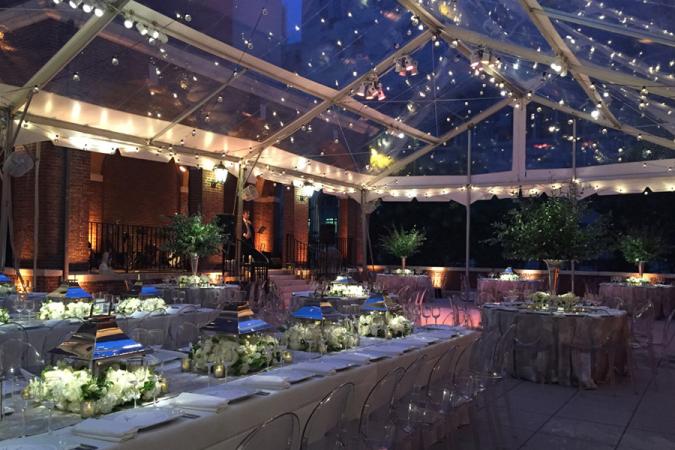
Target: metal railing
132	247
322	259
139	247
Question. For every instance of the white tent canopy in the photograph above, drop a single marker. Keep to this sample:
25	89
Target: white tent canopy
56	113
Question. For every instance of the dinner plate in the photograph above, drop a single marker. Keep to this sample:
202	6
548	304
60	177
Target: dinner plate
144	417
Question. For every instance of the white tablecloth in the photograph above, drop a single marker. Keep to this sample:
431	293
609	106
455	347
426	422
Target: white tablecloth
45	335
494	290
205	296
228	428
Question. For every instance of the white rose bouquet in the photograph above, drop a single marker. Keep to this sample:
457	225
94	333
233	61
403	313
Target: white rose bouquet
380	324
346	290
68	387
6	289
131	305
4	315
59	310
242	355
193	281
637	281
321	337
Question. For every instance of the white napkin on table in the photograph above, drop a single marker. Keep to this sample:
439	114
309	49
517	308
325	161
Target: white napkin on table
199	402
355	357
318	367
105	430
268	382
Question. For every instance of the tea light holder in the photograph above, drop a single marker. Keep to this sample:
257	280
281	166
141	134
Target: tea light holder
186	364
87	409
219	370
287	357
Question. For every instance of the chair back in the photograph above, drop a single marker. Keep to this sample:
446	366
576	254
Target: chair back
376	410
325	426
441	373
280	433
412	380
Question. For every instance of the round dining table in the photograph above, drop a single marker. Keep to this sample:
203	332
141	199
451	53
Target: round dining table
393	283
495	290
567	348
633	296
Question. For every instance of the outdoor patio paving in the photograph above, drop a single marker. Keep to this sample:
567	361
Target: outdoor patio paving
553	417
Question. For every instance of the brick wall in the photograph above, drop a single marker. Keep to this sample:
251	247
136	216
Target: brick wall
52	219
139	192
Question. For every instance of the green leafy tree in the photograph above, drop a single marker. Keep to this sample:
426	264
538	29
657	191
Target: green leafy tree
642	245
552	228
191	236
401	243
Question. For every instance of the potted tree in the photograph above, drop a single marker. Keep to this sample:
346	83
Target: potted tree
641	246
402	244
193	238
549	230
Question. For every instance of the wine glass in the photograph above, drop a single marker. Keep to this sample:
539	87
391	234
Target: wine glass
435	313
29	307
49	404
209	368
156	341
426	314
20	304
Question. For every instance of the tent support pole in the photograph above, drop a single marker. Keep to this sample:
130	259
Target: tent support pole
364	233
467	248
36	214
574	180
238	226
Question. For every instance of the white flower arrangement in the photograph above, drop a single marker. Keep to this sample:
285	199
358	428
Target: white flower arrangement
509	276
637	281
131	305
403	272
193	281
4	315
6	289
242	355
346	290
58	310
322	337
68	387
380	324
544	300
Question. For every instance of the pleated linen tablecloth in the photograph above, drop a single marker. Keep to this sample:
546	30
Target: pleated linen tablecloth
494	290
633	297
393	283
563	348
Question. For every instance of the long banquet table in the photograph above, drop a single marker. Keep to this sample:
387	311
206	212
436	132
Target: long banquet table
226	430
44	335
205	296
558	347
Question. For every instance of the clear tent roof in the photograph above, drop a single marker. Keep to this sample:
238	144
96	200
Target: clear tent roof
282	81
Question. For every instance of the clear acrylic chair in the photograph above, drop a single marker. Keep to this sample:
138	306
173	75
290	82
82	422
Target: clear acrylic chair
376	426
280	433
325	427
642	336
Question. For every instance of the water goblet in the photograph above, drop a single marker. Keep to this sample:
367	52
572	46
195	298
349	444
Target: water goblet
435	313
49	404
209	368
20	304
426	315
29	307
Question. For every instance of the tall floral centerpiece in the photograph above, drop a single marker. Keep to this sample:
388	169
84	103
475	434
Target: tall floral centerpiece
403	243
554	229
641	246
193	238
